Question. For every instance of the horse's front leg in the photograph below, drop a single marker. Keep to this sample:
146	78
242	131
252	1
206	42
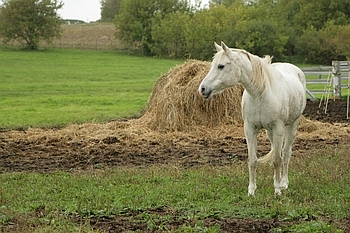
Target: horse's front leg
278	138
287	150
251	137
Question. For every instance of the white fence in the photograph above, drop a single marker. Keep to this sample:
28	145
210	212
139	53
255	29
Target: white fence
332	77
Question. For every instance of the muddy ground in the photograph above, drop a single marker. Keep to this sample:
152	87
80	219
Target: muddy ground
49	154
52	154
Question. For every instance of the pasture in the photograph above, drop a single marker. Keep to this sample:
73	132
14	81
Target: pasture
51	88
96	174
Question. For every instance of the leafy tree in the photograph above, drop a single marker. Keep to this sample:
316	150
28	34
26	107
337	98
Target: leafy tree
259	31
318	13
261	38
169	34
207	26
134	21
222	2
304	16
342	41
318	46
109	8
29	21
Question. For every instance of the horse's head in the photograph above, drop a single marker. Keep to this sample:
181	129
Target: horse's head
225	71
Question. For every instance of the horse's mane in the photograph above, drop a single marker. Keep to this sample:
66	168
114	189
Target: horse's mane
261	75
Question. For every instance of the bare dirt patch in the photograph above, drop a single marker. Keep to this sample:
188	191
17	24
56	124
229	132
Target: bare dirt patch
334	111
177	221
115	144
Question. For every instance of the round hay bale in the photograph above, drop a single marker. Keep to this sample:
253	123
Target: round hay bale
176	105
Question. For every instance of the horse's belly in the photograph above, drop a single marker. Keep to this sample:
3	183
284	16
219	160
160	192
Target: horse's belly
265	112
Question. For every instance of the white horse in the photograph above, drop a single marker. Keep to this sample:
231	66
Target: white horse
273	99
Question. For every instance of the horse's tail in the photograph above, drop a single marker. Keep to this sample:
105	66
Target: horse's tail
266	158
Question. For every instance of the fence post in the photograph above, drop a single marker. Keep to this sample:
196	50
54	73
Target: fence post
336	78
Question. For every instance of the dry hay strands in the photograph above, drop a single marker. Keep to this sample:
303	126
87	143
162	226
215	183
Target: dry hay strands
310	129
175	104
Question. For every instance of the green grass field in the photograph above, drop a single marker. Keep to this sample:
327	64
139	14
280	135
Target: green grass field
56	87
315	201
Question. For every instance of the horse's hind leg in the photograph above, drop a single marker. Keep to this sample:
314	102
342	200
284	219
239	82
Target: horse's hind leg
287	151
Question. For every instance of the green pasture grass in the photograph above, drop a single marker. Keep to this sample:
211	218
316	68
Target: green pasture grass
317	199
55	87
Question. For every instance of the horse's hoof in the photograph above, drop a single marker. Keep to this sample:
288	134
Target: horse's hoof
251	189
278	192
251	194
284	184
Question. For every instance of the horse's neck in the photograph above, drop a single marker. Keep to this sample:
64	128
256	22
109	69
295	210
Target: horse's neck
255	88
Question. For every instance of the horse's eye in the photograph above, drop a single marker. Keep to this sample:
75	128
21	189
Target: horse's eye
221	66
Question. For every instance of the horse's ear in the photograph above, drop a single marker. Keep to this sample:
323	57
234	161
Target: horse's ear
225	48
218	47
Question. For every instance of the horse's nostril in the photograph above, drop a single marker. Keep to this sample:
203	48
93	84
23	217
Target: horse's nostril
202	89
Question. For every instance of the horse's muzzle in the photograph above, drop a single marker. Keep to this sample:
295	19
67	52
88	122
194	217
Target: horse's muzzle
206	93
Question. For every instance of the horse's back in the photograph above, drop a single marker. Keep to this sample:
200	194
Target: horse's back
294	85
290	71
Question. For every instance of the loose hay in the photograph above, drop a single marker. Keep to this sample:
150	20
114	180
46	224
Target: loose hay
175	104
175	111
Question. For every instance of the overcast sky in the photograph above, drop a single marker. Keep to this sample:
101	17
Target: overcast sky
86	10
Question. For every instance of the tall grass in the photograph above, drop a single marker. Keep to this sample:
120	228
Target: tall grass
55	87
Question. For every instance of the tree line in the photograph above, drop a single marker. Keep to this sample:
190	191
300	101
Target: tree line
316	31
